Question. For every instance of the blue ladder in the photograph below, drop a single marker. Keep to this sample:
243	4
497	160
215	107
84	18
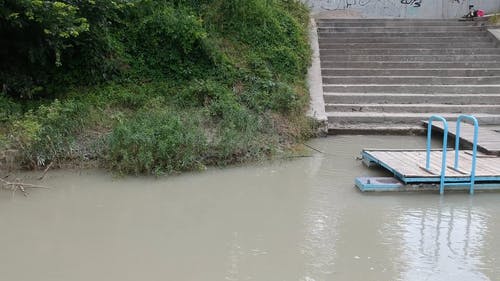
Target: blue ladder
443	182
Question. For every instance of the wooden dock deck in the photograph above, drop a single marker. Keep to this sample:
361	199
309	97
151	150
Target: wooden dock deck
408	166
488	140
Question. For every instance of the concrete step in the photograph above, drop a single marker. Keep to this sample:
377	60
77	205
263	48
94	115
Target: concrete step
401	118
407	88
325	33
388	75
376	129
406	98
415	52
406	65
412	58
436	45
413	108
383	129
402	40
463	72
393	22
414	80
471	30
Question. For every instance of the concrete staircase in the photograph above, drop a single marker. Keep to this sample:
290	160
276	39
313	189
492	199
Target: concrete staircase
383	76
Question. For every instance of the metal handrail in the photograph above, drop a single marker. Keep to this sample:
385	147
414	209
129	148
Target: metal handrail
445	145
474	147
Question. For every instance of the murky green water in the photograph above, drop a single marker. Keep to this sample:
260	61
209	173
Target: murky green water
297	220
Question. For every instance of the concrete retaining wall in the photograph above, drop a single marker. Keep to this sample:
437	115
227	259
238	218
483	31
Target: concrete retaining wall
431	9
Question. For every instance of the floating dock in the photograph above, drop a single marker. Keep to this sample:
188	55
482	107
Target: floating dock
440	170
410	174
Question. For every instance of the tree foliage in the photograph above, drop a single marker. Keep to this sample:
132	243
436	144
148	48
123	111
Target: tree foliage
48	45
38	37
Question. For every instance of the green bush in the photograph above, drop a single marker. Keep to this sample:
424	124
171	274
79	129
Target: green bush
132	96
240	136
199	93
170	41
270	27
157	141
9	109
495	19
268	95
48	134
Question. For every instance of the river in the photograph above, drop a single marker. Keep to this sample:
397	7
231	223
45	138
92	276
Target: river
301	219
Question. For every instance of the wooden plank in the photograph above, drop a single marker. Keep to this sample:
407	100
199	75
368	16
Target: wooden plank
408	164
419	160
393	162
488	166
435	163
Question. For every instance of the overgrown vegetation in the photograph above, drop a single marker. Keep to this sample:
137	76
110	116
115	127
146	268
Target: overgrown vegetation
151	86
494	19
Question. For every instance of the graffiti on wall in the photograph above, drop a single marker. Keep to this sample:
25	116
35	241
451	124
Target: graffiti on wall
413	3
350	3
402	8
382	7
372	5
343	4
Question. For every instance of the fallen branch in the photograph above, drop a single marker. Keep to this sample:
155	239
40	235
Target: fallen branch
17	184
315	149
45	171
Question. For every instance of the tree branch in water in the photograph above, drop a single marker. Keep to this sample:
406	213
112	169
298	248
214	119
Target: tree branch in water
18	185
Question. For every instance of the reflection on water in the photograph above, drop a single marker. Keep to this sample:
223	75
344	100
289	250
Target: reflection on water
296	220
443	243
320	226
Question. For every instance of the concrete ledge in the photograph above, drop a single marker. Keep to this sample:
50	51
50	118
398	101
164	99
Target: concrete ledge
314	80
407	98
413	108
337	14
370	129
399	118
495	35
408	88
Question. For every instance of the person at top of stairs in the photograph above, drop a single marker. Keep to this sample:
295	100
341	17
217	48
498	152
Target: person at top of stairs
473	13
